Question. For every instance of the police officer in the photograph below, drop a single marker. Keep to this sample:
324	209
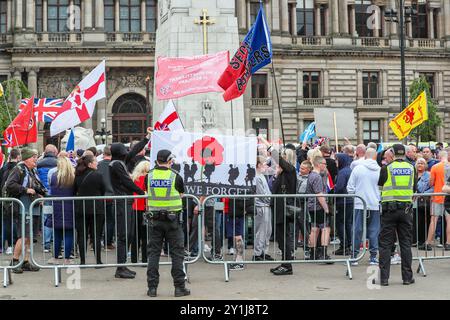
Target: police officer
165	188
398	180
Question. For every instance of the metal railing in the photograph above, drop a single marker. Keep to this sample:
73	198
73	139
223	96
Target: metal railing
71	221
313	101
12	229
287	228
373	101
260	101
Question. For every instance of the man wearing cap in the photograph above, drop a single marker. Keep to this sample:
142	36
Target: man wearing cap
23	184
165	189
398	180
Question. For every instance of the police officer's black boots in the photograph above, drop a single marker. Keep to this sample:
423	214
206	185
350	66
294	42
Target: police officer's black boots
182	291
151	292
123	273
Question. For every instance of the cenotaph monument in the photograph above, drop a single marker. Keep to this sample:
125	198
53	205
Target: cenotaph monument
195	27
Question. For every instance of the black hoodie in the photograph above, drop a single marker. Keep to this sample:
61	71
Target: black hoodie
120	177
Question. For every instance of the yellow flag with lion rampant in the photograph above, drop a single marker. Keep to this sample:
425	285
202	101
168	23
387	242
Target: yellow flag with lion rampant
415	114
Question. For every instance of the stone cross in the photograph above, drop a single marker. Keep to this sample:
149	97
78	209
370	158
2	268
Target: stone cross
205	21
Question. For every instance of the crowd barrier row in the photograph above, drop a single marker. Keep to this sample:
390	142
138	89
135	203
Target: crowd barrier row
298	233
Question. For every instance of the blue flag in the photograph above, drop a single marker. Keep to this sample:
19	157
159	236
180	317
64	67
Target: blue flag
70	146
309	133
380	146
254	53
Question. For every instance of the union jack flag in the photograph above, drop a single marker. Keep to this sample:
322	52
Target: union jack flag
45	109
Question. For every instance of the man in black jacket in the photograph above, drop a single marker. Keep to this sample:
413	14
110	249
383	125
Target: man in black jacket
23	183
103	169
123	185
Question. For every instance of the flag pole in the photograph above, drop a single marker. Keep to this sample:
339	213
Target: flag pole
335	132
10	119
278	100
232	118
31	115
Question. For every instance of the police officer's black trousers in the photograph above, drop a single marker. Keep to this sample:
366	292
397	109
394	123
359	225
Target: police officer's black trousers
172	232
392	223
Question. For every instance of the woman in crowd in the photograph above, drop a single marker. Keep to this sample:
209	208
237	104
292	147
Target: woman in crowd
422	205
284	183
89	213
139	205
61	184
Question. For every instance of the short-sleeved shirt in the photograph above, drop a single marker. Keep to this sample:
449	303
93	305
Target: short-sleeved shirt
438	174
316	185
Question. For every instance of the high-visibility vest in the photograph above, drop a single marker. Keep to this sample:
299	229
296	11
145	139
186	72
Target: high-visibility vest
399	185
162	194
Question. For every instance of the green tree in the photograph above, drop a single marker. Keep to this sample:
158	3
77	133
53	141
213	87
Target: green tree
427	130
14	91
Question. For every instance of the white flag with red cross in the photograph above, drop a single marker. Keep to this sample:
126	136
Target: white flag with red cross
79	105
168	120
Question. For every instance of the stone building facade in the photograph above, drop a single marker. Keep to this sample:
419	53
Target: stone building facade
327	53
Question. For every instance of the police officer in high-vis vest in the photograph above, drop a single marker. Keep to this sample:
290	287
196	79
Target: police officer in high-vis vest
398	181
165	188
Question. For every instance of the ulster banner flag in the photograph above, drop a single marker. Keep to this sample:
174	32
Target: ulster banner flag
79	105
254	53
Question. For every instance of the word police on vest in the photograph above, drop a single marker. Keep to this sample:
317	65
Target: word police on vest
401	172
161	183
164	156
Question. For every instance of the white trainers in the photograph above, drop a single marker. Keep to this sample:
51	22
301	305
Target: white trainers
335	241
206	248
9	251
231	251
438	243
396	259
354	263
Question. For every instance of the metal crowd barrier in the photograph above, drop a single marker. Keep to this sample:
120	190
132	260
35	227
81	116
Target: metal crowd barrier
12	229
68	223
239	229
422	219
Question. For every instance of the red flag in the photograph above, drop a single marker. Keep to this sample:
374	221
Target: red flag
2	158
23	129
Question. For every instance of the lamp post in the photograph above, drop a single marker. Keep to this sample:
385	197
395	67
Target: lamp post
402	18
257	121
103	134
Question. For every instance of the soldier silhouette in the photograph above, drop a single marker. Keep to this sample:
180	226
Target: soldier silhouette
193	170
209	169
251	173
233	173
176	167
187	172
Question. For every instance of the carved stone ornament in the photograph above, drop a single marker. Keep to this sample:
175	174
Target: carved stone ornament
128	78
55	83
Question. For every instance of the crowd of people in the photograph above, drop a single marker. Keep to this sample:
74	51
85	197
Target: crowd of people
294	222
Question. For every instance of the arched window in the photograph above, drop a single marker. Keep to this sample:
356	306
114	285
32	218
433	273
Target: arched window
130	116
130	15
150	15
57	15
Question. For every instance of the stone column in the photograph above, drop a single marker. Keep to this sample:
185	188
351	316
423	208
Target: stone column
293	12
88	15
394	26
17	74
327	21
360	129
44	16
385	129
317	22
117	16
334	13
300	84
326	84
446	17
30	23
431	23
88	123
248	17
275	15
440	84
19	17
384	31
376	30
409	29
32	80
352	21
384	94
99	15
439	23
240	12
143	16
9	14
343	17
284	14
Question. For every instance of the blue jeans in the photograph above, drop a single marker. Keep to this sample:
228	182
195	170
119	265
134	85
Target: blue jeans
68	242
218	232
48	232
344	221
373	230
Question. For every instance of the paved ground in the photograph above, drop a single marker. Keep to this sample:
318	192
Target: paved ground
318	282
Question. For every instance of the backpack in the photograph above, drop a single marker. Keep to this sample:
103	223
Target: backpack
5	177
